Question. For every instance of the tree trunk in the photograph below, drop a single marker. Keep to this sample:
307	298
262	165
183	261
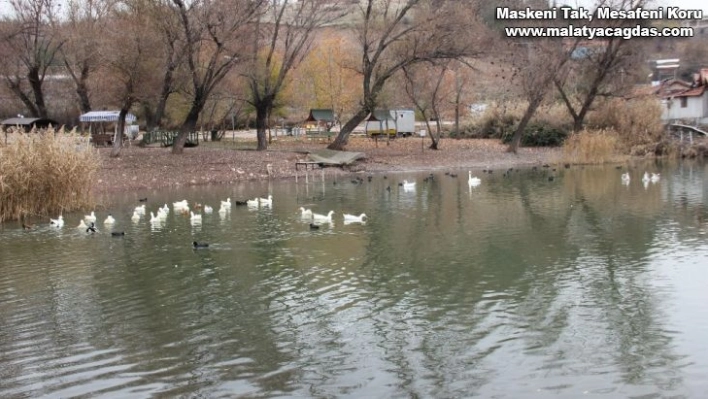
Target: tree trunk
36	85
162	102
15	88
533	105
188	126
261	125
118	142
82	90
341	140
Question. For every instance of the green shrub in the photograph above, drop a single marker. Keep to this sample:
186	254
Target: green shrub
536	135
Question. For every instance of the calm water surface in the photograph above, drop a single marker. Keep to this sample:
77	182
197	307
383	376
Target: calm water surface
519	288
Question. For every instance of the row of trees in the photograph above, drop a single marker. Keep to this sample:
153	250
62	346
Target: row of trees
187	56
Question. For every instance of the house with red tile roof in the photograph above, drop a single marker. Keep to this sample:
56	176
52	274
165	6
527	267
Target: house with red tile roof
685	101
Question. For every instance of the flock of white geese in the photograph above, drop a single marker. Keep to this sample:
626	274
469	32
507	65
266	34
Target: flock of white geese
159	216
646	178
156	218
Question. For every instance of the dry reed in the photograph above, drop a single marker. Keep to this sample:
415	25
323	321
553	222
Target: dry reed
637	121
43	173
592	147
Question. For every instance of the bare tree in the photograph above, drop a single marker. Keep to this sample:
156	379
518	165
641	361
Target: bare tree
33	47
283	37
169	57
539	63
424	87
396	34
126	55
462	76
81	35
600	68
210	34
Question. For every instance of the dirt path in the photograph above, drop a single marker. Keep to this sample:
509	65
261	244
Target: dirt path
220	163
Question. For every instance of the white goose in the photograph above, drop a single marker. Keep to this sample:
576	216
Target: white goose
153	218
323	218
195	218
208	209
266	201
655	177
82	225
226	204
136	217
140	210
305	213
161	214
165	209
625	178
90	218
179	205
58	222
408	185
109	220
252	203
473	181
354	218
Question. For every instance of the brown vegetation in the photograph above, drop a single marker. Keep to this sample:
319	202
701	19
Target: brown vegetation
43	173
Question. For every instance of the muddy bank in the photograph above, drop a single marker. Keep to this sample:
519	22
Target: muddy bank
221	163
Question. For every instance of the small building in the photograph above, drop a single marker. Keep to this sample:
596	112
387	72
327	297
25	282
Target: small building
320	120
28	123
395	122
685	101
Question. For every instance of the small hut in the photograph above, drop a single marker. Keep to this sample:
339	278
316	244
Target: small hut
28	123
321	120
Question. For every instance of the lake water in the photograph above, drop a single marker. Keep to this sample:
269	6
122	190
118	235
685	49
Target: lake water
522	287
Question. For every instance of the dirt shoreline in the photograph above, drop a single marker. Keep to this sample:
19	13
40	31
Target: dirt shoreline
221	163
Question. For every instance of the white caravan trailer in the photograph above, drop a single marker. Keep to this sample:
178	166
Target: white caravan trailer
395	122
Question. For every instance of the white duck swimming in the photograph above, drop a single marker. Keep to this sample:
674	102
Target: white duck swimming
323	218
408	186
266	201
305	213
348	218
82	225
625	178
473	181
136	217
109	220
195	218
90	218
58	222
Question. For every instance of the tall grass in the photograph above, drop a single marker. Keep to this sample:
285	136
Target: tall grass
592	147
636	121
43	173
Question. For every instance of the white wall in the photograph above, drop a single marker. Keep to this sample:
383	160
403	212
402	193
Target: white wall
696	108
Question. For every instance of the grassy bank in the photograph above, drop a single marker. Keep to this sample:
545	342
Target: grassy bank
43	173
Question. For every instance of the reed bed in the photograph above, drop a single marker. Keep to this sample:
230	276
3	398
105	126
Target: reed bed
592	147
45	173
